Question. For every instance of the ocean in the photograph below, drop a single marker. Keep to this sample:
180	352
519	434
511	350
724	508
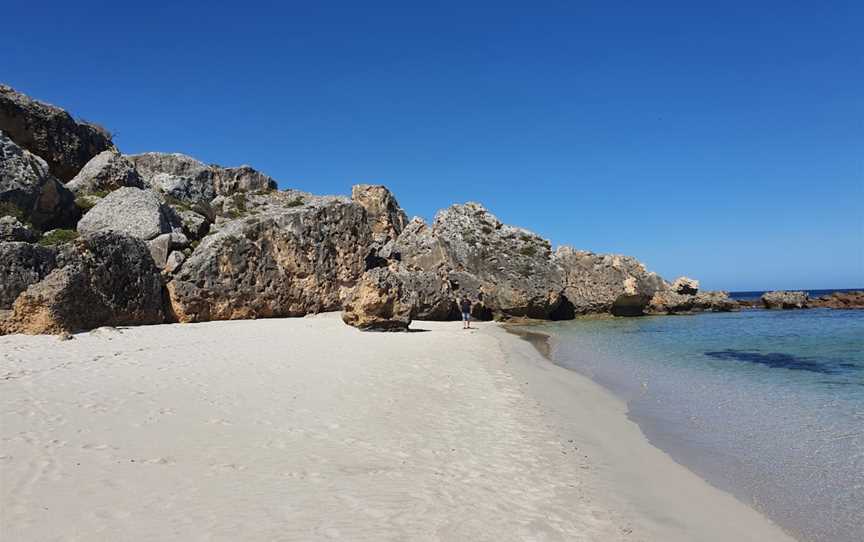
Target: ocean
768	405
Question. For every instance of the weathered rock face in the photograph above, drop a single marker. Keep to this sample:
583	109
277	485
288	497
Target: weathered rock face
194	225
386	218
506	270
381	301
29	190
134	212
50	132
284	261
839	300
102	279
785	300
685	285
672	302
188	180
106	172
12	229
597	283
22	265
228	181
162	246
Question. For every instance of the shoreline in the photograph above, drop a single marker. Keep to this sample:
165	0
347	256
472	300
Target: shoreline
307	429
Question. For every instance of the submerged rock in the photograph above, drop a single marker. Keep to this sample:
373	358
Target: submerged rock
102	279
29	191
381	301
785	300
51	133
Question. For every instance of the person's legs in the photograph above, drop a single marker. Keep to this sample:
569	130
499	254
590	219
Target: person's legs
465	320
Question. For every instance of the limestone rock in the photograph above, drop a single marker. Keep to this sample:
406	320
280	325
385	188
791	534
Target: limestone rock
839	300
135	212
194	225
28	190
283	261
672	302
685	285
22	265
228	181
12	229
785	300
175	260
51	133
380	302
102	279
598	283
162	245
386	218
105	172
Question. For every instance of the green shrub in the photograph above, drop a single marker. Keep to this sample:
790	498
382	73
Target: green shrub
528	250
296	202
58	237
8	209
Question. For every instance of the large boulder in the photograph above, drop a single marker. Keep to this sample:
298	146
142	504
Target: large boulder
285	260
51	133
103	279
604	283
132	211
672	302
381	302
29	192
230	180
22	265
685	285
507	271
106	172
386	218
785	300
12	229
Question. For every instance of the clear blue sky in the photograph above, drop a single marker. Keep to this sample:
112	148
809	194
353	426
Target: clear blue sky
721	141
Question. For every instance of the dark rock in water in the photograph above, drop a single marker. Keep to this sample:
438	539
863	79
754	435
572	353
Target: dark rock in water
285	260
22	265
105	278
28	190
606	283
381	302
12	229
50	133
779	360
105	172
839	300
131	211
785	300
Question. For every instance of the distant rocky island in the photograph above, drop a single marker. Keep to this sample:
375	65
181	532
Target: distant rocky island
91	237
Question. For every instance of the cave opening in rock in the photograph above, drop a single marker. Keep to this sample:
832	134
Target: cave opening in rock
629	305
563	311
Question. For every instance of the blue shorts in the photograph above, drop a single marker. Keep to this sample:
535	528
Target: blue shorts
466	316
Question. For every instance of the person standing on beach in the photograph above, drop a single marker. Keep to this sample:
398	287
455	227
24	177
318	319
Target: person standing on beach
465	306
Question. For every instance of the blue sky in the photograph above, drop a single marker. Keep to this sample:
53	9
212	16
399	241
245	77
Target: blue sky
725	142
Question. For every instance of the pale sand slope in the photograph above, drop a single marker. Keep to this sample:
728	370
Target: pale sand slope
306	429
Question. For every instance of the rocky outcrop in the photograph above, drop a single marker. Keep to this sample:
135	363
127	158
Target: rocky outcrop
606	283
187	180
132	211
506	270
386	218
102	279
381	301
285	260
685	285
29	191
12	229
22	265
839	300
785	300
50	133
672	302
163	245
106	172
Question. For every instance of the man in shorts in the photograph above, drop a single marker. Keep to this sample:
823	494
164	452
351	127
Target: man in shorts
465	307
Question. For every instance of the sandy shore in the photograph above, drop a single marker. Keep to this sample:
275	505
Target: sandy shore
307	429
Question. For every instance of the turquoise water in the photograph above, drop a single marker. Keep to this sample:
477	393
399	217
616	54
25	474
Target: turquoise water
768	405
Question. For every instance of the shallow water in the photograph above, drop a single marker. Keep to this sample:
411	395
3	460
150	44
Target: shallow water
766	404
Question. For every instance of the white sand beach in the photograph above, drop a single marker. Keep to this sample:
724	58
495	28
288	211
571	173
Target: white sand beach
307	429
